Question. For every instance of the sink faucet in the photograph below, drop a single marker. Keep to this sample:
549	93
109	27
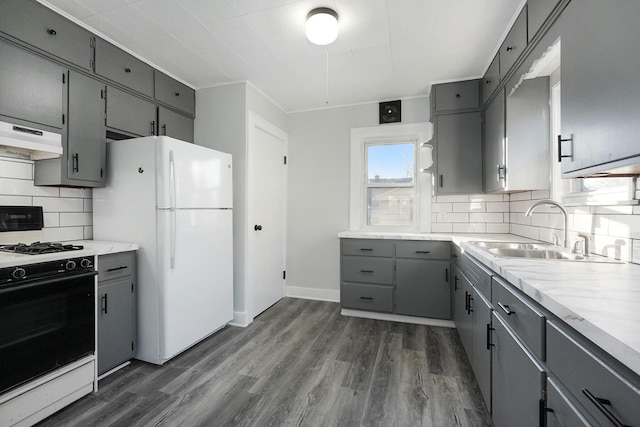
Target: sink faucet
562	209
587	242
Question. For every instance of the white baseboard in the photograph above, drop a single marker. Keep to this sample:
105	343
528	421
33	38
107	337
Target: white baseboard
313	293
241	318
398	318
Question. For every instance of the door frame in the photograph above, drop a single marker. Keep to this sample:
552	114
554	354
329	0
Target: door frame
255	123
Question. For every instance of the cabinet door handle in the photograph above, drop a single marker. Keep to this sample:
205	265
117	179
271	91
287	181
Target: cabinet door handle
489	343
75	160
127	70
104	304
153	127
446	275
366	271
509	48
506	309
367	298
441	181
164	129
602	404
455	283
543	413
122	267
560	141
51	32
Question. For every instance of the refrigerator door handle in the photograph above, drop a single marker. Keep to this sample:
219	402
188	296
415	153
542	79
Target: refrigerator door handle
172	210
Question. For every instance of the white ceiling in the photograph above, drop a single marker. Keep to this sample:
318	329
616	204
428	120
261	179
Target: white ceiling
386	49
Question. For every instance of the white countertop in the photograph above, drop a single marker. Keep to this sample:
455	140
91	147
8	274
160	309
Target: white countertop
599	300
91	248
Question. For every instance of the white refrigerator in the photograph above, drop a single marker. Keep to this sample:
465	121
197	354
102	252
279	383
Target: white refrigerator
174	199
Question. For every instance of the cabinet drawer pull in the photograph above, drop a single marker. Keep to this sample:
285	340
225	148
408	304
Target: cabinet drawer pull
366	271
423	252
509	48
489	343
506	309
75	163
122	267
560	141
366	249
602	404
52	32
367	298
127	70
104	304
455	283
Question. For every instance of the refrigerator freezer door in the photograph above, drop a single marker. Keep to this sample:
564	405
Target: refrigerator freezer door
192	176
196	295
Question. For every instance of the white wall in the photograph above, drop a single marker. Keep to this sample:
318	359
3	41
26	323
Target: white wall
67	211
318	191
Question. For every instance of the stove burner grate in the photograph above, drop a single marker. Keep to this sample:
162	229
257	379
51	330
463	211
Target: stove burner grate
38	248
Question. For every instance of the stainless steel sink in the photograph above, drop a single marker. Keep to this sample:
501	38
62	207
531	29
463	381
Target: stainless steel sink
536	251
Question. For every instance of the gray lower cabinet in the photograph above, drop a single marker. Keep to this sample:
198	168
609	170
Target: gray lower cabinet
561	411
21	73
116	310
82	163
175	125
129	114
481	354
40	27
517	380
494	148
600	87
462	294
459	153
402	277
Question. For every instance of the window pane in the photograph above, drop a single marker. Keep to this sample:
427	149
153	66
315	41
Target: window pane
390	163
390	206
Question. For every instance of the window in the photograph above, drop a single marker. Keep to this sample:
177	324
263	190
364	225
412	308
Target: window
388	192
390	183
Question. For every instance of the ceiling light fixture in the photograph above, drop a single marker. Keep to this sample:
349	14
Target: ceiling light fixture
322	26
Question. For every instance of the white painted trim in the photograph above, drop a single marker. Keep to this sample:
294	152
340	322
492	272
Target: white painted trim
398	318
313	293
355	104
241	319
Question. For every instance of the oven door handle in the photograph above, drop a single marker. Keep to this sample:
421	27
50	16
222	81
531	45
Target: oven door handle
32	283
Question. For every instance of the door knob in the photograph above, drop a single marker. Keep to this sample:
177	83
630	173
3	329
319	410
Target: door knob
257	227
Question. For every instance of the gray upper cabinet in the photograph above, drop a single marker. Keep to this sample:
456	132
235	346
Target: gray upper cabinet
119	66
491	79
82	163
600	87
175	125
494	157
20	73
129	114
514	44
538	11
174	93
44	29
459	153
456	95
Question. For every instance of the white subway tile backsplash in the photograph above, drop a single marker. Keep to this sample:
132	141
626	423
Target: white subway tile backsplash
492	217
456	217
624	225
469	207
612	210
502	228
497	206
16	200
441	207
452	198
540	194
88	205
525	231
486	198
636	251
61	234
18	169
525	195
85	193
24	187
88	232
74	219
54	204
51	219
473	227
442	227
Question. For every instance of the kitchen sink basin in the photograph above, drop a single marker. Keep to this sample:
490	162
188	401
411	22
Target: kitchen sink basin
536	251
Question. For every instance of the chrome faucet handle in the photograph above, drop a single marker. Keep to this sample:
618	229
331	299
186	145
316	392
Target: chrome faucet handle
587	242
555	239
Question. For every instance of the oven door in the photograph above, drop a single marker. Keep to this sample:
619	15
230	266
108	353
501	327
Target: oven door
45	324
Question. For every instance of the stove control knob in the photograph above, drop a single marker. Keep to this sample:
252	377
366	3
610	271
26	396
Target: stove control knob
86	263
18	273
70	265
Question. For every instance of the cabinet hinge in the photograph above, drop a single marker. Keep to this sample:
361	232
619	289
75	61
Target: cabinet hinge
103	94
92	65
285	160
92	42
284	274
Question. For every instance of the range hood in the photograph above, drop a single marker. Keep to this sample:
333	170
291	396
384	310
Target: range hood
29	143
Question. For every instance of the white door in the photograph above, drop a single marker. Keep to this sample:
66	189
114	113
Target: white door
266	215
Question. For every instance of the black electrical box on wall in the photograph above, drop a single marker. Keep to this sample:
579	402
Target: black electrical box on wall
390	112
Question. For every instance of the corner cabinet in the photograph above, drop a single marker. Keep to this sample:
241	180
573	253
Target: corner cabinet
600	87
116	310
84	143
400	277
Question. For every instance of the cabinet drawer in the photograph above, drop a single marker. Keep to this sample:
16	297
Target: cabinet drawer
116	265
478	275
525	320
581	371
491	78
174	93
423	250
43	28
367	270
457	95
562	411
117	65
514	44
367	247
367	297
537	13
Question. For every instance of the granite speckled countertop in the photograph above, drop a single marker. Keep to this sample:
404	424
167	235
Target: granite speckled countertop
599	300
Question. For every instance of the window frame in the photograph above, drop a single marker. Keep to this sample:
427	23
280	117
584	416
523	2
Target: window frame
416	133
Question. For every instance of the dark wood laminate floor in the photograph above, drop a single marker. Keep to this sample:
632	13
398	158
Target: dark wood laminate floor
300	363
